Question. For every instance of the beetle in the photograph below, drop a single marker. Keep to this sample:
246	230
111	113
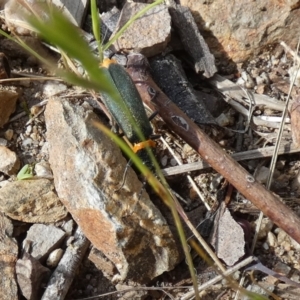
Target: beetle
136	125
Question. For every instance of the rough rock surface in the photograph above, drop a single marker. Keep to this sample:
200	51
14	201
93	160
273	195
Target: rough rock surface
9	162
30	273
8	258
148	35
42	239
31	201
88	168
8	100
193	42
240	29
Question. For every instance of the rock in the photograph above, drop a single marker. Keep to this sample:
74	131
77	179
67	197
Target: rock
8	258
271	239
224	120
261	89
42	169
54	257
193	41
282	237
52	88
3	142
8	100
68	227
30	274
62	277
9	162
102	263
31	201
16	15
88	168
149	34
262	174
42	239
74	10
282	268
109	22
265	228
238	30
262	289
8	134
227	237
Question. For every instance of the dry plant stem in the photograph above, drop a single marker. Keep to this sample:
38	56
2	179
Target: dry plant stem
65	272
263	199
192	182
228	272
239	156
233	92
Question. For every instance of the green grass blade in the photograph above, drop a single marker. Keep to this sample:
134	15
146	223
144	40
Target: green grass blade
96	21
59	31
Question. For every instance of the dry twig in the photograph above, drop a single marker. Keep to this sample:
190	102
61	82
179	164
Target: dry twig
263	199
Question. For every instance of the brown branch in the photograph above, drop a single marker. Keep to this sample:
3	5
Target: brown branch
211	152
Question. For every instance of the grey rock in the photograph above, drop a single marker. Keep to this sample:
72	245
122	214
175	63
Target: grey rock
42	239
192	40
149	34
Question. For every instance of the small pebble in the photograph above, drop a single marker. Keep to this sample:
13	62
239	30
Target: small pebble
34	136
265	246
265	228
28	130
52	88
27	142
68	227
8	134
3	142
164	160
282	236
43	169
282	268
34	110
173	162
54	258
271	239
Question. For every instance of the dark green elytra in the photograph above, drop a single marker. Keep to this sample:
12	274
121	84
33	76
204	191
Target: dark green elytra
131	99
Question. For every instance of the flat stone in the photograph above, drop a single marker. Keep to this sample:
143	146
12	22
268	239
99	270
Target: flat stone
42	239
228	237
192	40
149	34
238	30
8	100
8	258
32	201
9	162
88	168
